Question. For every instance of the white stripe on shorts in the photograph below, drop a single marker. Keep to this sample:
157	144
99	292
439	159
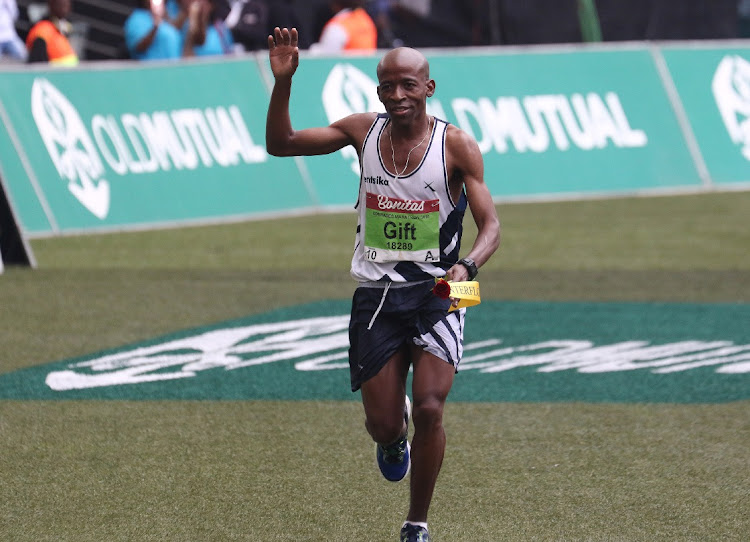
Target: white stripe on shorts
452	337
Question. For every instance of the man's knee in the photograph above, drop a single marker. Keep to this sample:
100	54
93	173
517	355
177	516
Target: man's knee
385	429
428	414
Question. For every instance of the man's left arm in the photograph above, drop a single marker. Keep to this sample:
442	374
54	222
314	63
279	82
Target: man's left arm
468	167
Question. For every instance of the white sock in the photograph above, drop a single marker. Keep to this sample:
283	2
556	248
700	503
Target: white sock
416	524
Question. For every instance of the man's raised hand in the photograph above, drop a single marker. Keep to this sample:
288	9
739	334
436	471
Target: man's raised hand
283	52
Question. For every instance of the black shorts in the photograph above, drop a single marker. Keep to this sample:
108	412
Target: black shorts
410	314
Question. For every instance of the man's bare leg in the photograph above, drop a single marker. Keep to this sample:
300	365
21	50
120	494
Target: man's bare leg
433	378
383	397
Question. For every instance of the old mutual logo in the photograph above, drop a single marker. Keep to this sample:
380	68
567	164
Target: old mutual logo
533	123
514	351
731	88
135	143
70	147
349	90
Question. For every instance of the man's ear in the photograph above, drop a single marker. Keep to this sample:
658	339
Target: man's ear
430	88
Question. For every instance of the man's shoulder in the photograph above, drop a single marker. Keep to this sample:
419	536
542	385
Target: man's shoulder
456	136
356	126
42	25
461	148
358	120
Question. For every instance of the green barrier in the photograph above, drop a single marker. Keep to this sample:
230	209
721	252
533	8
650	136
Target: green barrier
141	145
546	123
135	145
713	83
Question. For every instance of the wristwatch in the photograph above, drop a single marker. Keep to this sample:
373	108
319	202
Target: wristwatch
470	266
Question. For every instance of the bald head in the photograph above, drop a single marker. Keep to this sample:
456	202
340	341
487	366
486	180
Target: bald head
404	57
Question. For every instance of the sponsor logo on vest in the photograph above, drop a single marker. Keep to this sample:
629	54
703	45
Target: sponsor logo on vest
731	88
376	180
387	204
135	143
279	358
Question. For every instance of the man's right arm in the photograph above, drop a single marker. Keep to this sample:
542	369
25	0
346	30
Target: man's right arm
281	138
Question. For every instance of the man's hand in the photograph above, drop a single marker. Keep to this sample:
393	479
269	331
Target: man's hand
157	11
283	52
457	273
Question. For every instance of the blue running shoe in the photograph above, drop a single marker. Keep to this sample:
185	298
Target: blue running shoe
414	533
394	460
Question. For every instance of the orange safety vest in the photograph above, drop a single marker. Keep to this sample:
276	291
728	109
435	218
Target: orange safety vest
359	26
59	50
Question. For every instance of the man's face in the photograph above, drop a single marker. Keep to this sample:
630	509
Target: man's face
59	8
403	88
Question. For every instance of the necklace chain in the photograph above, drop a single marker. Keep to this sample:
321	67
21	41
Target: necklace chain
393	151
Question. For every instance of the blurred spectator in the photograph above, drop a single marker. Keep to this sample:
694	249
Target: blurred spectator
322	13
381	11
249	21
148	36
350	29
743	18
174	13
205	33
252	21
10	44
47	40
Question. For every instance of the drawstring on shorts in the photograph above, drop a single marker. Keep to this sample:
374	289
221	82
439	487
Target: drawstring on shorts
382	300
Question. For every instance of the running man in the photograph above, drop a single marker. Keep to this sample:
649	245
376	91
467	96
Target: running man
418	175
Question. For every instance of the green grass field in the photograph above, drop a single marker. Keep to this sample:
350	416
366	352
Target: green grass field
280	471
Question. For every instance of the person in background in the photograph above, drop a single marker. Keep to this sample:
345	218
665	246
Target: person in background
11	45
204	31
380	10
148	36
251	21
321	15
350	29
743	16
174	14
47	40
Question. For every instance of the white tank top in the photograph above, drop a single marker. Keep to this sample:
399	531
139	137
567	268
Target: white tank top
409	228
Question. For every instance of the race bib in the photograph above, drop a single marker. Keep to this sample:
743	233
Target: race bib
401	230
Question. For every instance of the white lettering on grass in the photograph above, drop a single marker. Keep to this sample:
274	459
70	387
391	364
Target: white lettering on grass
317	344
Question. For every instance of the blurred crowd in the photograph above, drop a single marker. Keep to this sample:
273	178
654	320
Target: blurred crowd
174	29
64	31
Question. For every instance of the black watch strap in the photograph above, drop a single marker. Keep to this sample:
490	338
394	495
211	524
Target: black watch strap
470	266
